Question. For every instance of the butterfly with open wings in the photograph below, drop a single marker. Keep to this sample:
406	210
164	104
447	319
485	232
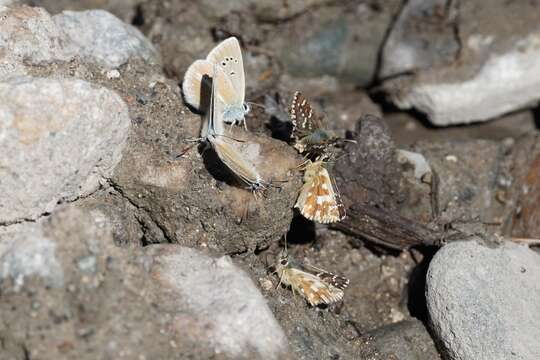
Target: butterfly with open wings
308	133
315	285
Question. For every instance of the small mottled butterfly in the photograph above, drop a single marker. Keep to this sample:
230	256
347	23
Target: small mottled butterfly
226	148
315	285
308	133
227	55
317	200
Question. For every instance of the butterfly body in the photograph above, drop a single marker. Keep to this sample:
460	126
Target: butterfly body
314	142
235	113
315	285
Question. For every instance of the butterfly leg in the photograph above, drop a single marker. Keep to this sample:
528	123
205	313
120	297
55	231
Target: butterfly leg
280	282
194	140
185	150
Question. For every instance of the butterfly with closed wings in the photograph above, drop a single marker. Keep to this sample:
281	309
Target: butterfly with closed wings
315	285
226	148
227	55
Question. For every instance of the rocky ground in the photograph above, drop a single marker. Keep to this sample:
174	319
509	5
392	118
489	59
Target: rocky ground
119	242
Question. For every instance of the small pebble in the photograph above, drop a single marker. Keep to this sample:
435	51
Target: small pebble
452	158
35	305
112	74
266	284
87	264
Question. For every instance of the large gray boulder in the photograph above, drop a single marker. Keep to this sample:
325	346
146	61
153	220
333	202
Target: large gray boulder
484	302
64	272
59	138
463	62
100	37
29	37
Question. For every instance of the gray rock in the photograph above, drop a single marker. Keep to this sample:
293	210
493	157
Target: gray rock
418	161
465	186
100	37
340	41
26	251
422	37
85	310
59	139
483	302
494	50
233	315
138	303
124	9
29	35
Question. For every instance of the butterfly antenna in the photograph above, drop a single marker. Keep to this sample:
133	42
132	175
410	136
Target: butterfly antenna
256	104
230	137
194	140
273	181
303	164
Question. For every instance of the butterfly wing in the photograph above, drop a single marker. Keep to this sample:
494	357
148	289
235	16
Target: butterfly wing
303	117
230	155
213	119
312	287
317	200
337	281
301	114
193	79
228	56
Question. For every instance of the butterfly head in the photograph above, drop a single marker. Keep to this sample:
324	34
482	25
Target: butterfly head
283	259
235	113
319	136
258	186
